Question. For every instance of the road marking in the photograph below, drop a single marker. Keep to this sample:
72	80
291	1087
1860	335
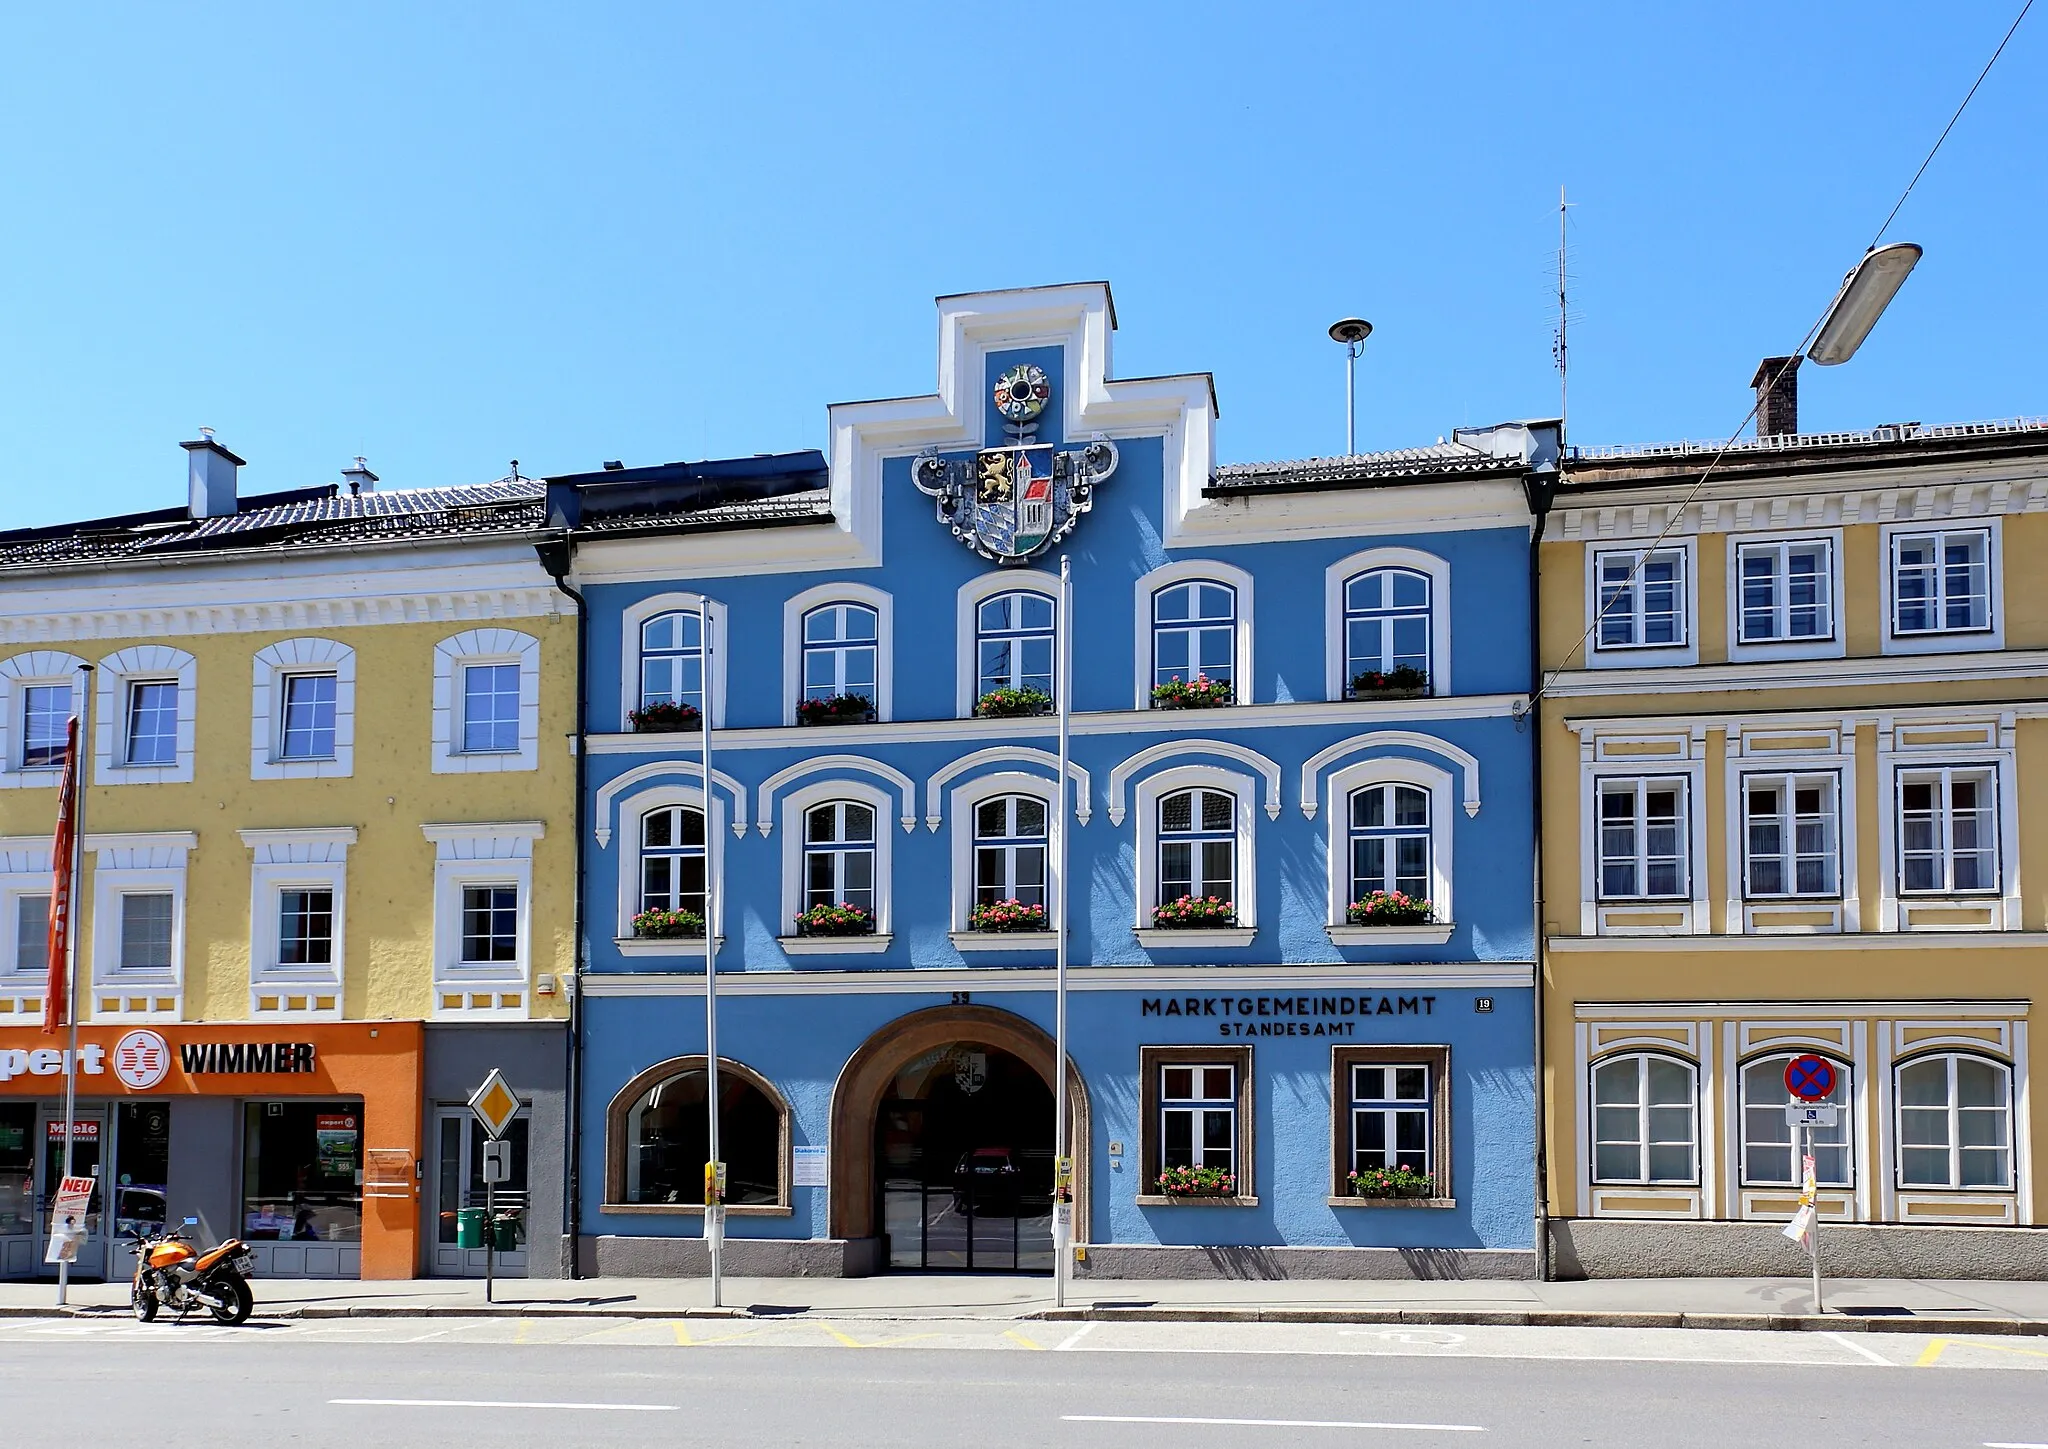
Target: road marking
499	1404
1016	1337
1075	1337
2015	1446
1930	1354
1271	1423
847	1339
1409	1336
683	1339
1854	1347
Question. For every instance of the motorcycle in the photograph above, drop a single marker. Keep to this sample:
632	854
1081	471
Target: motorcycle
171	1273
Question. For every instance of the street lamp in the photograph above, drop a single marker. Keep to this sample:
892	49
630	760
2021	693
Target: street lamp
1352	332
1866	292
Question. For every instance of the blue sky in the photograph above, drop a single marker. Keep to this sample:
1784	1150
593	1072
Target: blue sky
444	236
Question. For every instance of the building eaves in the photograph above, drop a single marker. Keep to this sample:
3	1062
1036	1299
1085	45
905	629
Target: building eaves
777	512
1363	470
1799	454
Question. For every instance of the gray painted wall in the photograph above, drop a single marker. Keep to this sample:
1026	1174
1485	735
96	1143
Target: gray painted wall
206	1178
533	1059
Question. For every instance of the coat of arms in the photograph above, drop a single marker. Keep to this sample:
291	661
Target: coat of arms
1012	502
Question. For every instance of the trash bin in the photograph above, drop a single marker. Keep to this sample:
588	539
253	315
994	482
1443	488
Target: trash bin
469	1228
505	1233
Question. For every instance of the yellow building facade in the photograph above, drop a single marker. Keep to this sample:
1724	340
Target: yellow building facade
328	875
1794	781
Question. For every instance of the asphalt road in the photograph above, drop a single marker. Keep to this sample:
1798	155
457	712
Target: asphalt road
504	1382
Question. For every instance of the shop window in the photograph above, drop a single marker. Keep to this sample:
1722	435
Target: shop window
672	859
839	855
1785	591
152	736
1941	582
1197	846
1770	1152
1948	831
302	1165
658	1138
1791	841
1196	1114
1014	643
1010	851
17	1169
1645	1111
142	1167
1641	599
1955	1122
1643	842
1392	1109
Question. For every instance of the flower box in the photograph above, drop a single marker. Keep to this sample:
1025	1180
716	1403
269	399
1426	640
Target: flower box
1194	913
837	710
1392	1183
1405	682
1389	908
1196	1182
1201	692
1012	704
1007	916
665	717
668	926
840	920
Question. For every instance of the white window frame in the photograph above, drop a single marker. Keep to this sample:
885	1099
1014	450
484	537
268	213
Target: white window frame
113	689
494	853
1340	573
1192	571
1443	815
296	859
1789	782
630	622
1937	641
795	805
138	864
273	666
960	802
1638	656
1897	1126
1944	777
1199	1108
454	655
1684	825
1149	792
1843	1098
631	810
1916	745
24	871
1642	1107
967	604
798	605
1389	1109
1832	645
17	673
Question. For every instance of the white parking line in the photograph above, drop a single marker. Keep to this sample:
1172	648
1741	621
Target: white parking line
1272	1423
1075	1337
1854	1347
500	1404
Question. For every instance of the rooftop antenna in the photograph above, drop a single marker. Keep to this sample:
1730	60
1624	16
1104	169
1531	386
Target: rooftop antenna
1352	332
1559	347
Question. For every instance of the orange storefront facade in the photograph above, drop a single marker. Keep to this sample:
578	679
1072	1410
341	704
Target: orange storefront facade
304	1139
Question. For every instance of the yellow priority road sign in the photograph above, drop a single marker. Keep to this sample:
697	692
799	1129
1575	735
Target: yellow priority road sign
495	1104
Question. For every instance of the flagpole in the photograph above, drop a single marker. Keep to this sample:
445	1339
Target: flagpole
75	764
1062	1208
714	1197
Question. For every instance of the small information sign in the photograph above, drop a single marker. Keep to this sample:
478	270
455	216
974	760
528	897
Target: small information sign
811	1167
1811	1114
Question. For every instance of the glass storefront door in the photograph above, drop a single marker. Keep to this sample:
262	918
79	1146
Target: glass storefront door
88	1138
302	1188
142	1171
19	1251
459	1185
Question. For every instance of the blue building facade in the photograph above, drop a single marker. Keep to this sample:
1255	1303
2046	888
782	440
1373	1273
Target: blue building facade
1292	686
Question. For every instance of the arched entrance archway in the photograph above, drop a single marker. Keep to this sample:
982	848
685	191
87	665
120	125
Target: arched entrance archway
915	1045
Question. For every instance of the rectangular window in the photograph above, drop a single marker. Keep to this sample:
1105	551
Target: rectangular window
1197	845
305	928
1643	841
490	708
1791	835
1785	591
45	713
1948	831
302	1172
490	924
1391	1110
308	732
1197	1115
1941	582
32	934
1641	599
152	722
146	931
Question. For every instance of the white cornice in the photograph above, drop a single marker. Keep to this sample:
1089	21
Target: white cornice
1362	713
1838	941
1935	1006
1808	718
1860	673
144	840
1811	499
485	830
307	835
1315	979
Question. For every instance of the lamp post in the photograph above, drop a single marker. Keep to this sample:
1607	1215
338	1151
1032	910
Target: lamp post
1866	292
1352	332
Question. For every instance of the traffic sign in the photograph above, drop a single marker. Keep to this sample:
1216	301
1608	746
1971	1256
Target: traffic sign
1810	1078
1811	1114
495	1104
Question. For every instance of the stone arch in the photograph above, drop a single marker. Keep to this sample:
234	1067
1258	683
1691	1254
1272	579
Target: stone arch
857	1097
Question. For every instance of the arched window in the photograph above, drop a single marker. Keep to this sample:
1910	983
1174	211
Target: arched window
1194	632
672	660
839	647
1769	1155
1009	851
839	855
1955	1122
659	1137
672	859
1197	845
1390	841
1386	624
1014	643
1645	1114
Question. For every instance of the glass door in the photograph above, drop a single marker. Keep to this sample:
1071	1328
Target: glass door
459	1198
88	1136
20	1254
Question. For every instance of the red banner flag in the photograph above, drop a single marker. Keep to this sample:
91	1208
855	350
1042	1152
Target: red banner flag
54	1003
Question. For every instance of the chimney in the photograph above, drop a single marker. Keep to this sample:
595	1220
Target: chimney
214	471
1777	396
360	479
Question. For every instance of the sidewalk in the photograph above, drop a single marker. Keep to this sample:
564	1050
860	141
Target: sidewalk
1912	1305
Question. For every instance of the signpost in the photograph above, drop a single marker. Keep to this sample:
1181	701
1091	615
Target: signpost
1810	1079
495	1105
